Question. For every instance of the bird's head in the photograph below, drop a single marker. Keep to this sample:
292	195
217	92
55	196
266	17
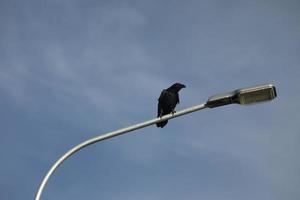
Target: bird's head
176	87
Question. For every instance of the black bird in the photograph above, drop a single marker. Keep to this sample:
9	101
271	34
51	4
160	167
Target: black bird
167	102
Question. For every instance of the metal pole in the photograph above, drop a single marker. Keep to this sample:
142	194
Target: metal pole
110	135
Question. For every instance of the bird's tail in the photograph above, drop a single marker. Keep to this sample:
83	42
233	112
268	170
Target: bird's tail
161	124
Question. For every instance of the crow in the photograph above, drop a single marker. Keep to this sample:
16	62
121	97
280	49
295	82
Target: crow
167	102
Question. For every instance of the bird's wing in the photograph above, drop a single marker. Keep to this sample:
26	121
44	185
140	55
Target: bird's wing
161	100
162	95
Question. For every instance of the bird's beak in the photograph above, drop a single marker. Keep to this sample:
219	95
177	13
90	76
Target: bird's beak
183	86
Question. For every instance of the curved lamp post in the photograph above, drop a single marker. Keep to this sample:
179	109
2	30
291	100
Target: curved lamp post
242	96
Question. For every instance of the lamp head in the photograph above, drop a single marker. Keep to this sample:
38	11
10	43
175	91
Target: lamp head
244	96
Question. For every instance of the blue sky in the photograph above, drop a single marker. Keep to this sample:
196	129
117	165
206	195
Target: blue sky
71	70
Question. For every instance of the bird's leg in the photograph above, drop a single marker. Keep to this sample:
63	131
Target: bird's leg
173	111
161	113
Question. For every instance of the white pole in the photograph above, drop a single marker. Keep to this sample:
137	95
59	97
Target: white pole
110	135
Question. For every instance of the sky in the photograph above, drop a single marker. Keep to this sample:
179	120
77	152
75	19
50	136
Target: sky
72	70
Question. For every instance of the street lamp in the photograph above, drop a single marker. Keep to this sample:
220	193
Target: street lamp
242	96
